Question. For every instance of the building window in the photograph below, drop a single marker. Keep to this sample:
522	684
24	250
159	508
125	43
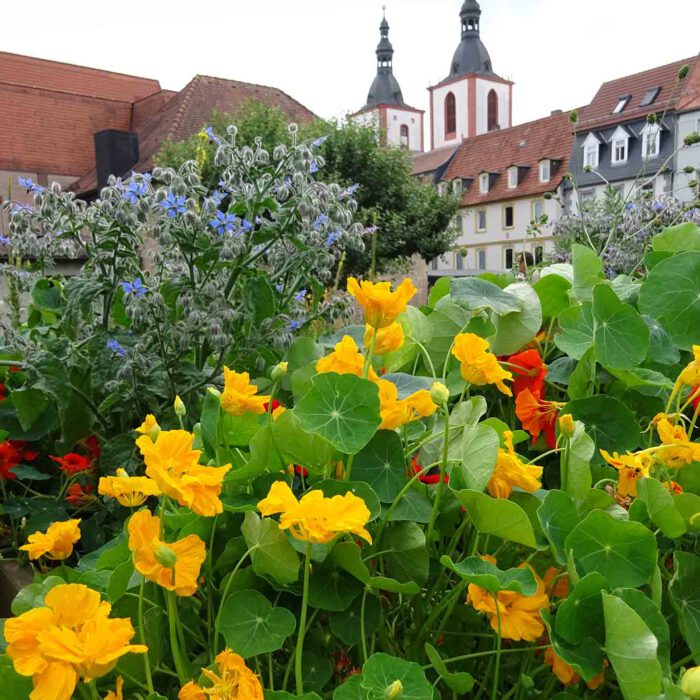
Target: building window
442	188
450	116
508	258
404	135
539	254
508	216
651	139
619	151
457	186
512	178
458	223
621	104
459	261
492	111
484	183
434	264
537	209
545	170
587	196
481	219
481	259
650	96
590	156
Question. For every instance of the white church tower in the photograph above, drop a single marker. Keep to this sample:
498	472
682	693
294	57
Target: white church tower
472	99
398	124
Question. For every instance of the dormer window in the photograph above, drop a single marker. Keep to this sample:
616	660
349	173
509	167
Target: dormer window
651	139
457	187
591	151
620	146
512	178
545	170
484	183
621	104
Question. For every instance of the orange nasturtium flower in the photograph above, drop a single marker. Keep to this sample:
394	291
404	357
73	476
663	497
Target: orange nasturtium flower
117	693
676	450
396	412
240	396
234	681
510	471
388	339
479	366
130	491
174	466
346	358
56	543
72	636
149	427
315	518
173	565
529	371
566	673
520	614
381	305
631	467
538	416
691	373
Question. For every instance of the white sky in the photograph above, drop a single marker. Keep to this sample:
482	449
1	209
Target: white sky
322	51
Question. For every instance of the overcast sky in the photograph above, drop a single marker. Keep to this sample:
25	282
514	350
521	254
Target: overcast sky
322	51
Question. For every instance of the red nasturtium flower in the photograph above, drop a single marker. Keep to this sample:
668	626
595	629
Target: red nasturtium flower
430	477
529	372
2	391
72	463
538	416
275	404
92	445
9	458
77	494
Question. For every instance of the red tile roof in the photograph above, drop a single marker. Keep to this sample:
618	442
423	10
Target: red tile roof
523	145
431	160
599	112
690	98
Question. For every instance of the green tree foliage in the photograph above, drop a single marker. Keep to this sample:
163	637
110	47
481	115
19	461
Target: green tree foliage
411	217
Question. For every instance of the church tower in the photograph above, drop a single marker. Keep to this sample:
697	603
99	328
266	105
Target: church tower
398	123
472	99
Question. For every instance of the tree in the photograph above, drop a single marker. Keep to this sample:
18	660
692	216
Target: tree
411	217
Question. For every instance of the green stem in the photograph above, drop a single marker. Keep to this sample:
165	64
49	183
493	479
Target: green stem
174	643
441	485
564	466
494	691
142	638
362	625
302	623
491	652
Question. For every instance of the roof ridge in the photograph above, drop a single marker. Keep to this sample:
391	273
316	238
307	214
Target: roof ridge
651	70
24	86
155	94
186	93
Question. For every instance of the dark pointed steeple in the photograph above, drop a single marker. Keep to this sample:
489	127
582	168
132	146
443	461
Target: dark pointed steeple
385	88
471	55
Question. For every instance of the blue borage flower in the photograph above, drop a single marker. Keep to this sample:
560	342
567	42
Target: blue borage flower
246	226
136	288
333	236
4	240
28	185
174	204
300	295
209	131
135	190
313	168
223	223
296	324
352	189
321	219
115	347
279	287
319	141
217	197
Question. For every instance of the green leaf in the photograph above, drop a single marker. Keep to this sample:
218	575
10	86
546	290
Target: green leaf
488	576
479	451
588	271
678	239
581	450
416	329
284	695
688	505
558	517
661	507
382	670
645	381
582	379
317	671
497	516
576	334
381	464
661	347
414	505
621	336
46	295
671	294
624	552
33	595
346	625
580	614
273	554
341	408
553	292
685	597
631	647
252	626
209	422
475	294
446	322
515	329
299	447
350	689
13	685
460	682
29	404
405	555
24	472
330	588
608	421
440	289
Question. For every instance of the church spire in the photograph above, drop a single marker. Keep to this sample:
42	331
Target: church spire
385	88
471	55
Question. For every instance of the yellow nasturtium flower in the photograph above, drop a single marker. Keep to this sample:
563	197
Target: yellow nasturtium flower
130	491
316	518
690	375
234	681
381	305
149	427
240	396
117	693
632	467
396	412
388	339
676	449
174	466
173	565
346	358
510	471
56	543
71	637
478	365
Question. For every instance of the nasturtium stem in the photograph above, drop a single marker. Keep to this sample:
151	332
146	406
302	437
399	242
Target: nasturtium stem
171	605
362	625
443	469
494	691
302	623
142	638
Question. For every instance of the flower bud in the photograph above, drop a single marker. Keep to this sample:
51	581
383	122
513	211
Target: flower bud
439	393
683	72
279	370
566	425
394	691
690	683
166	556
179	407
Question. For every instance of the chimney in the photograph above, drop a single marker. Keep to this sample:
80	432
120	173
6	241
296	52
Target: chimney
555	112
116	152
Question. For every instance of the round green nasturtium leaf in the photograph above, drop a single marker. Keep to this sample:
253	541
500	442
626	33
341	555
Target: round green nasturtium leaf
622	551
272	555
13	685
580	614
685	597
381	464
342	408
347	625
351	689
297	446
677	239
553	291
558	517
317	671
488	576
331	588
252	626
671	294
514	330
382	670
475	294
576	334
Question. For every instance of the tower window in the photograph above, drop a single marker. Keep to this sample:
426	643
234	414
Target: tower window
404	135
492	109
450	115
